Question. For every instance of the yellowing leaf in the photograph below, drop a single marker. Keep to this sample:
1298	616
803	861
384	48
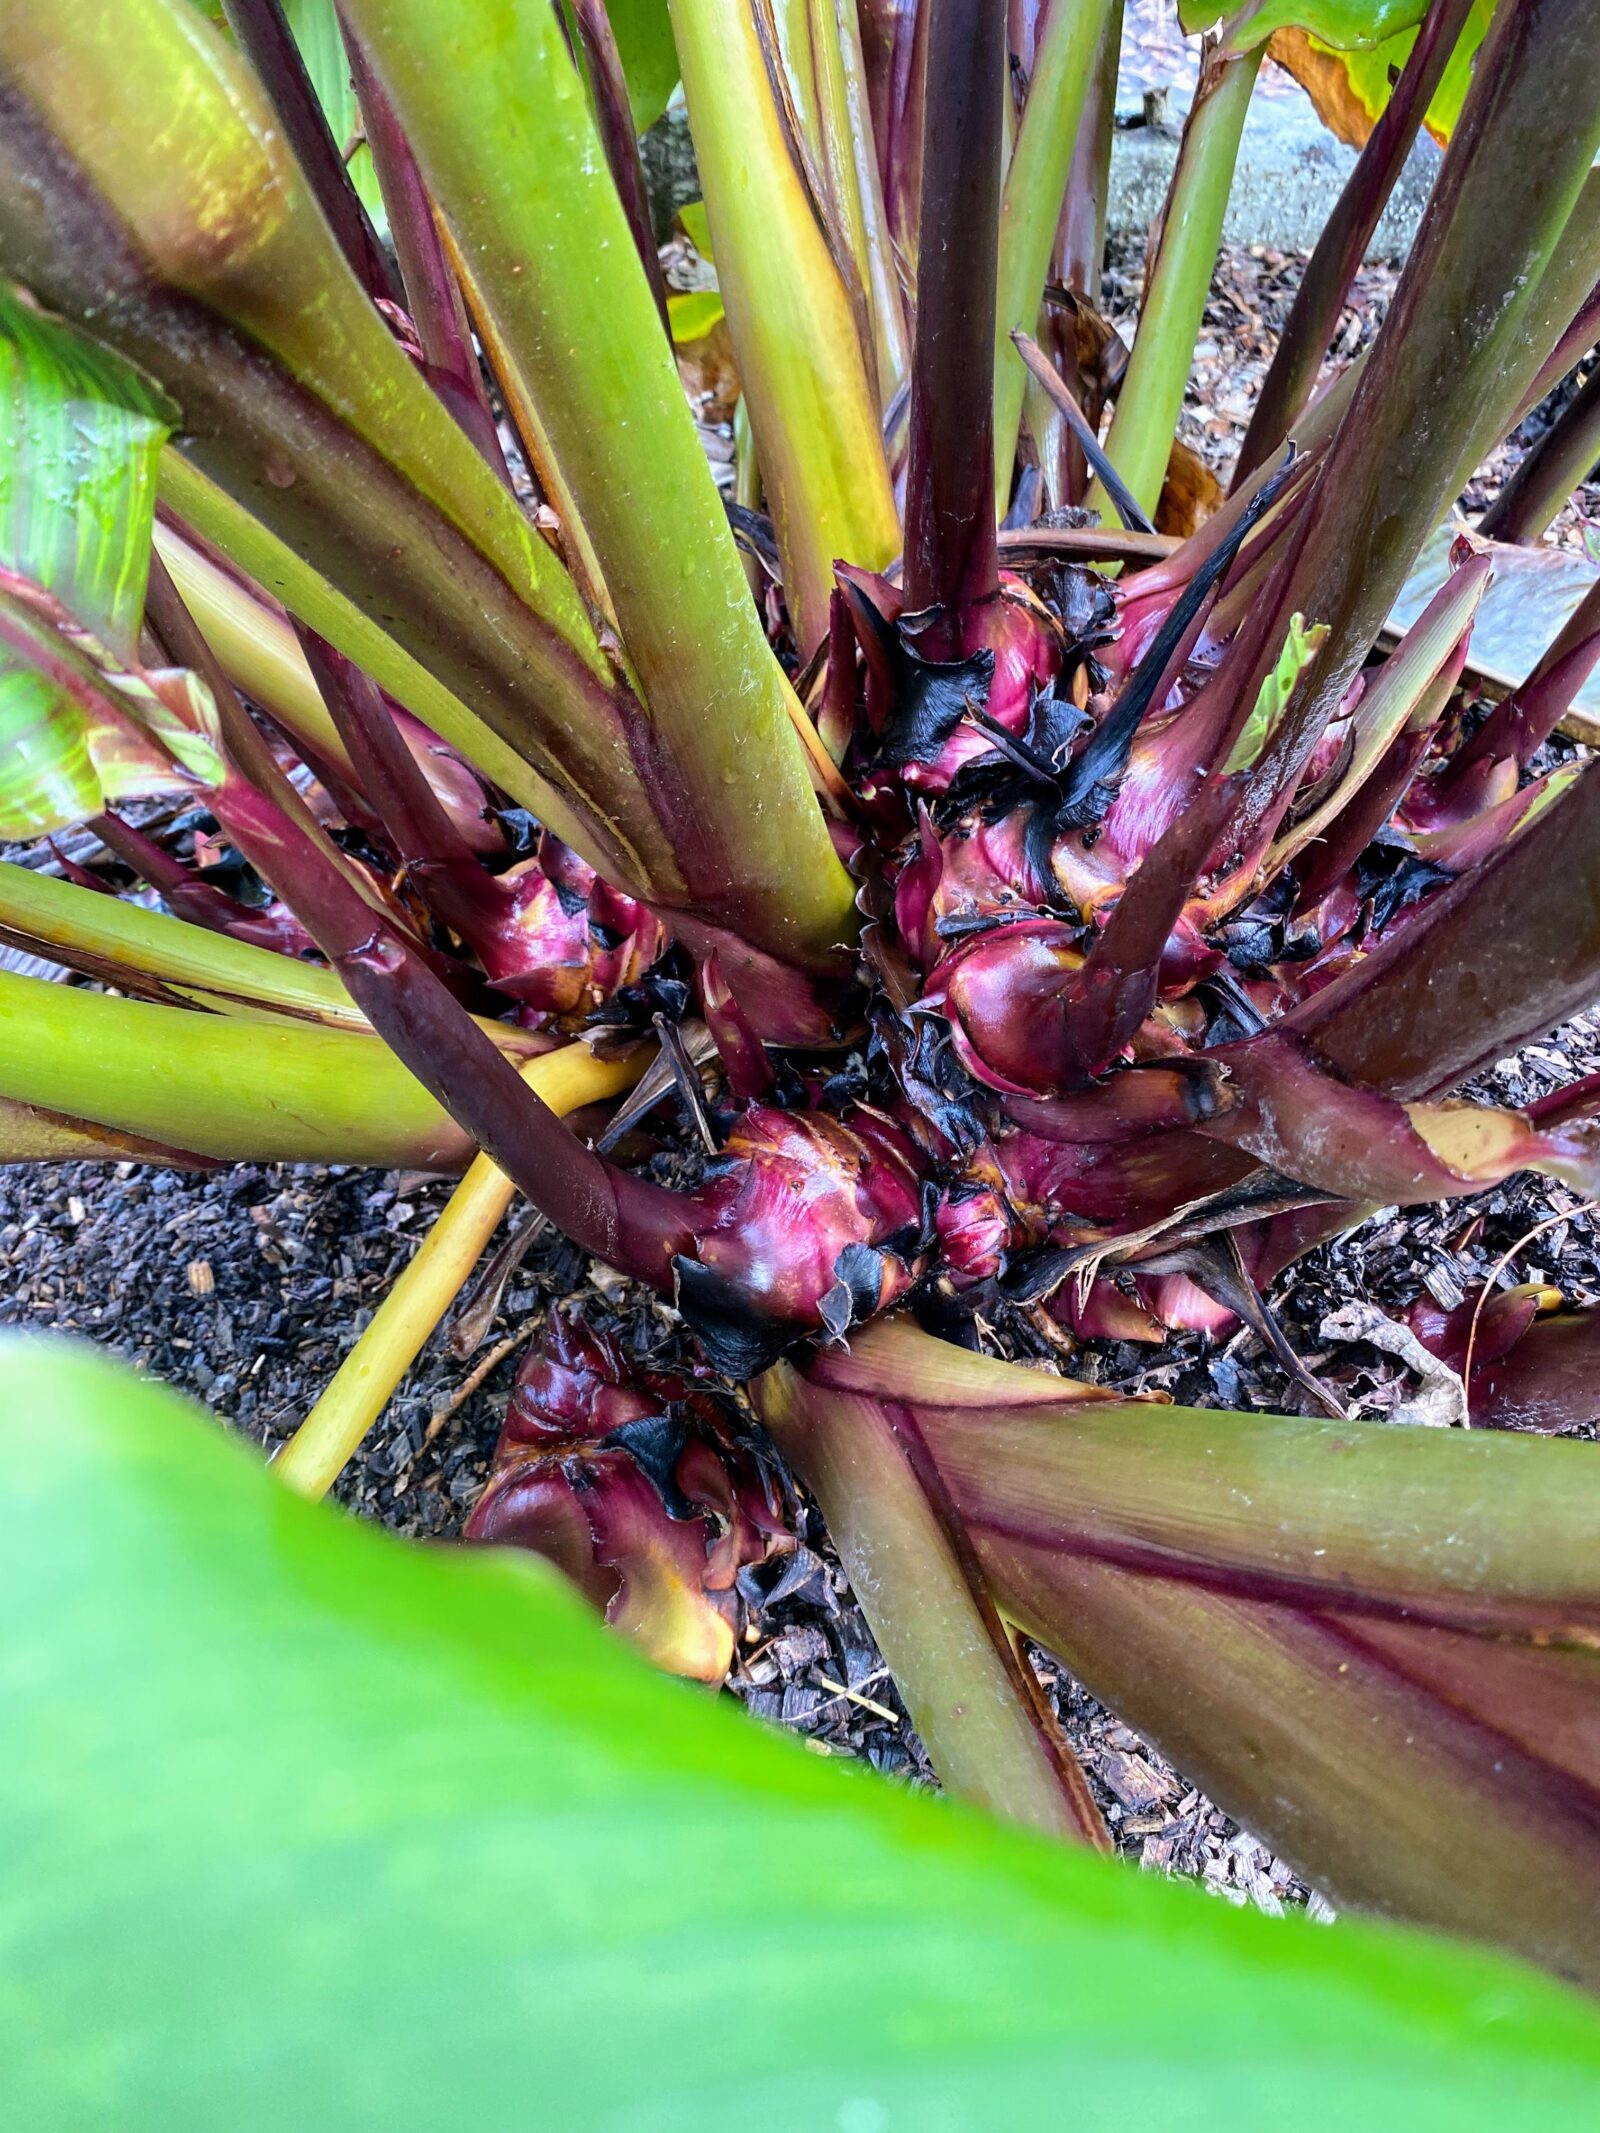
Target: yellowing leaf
693	314
1351	87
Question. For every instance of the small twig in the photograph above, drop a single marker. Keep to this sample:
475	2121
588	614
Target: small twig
469	1385
1089	544
838	1689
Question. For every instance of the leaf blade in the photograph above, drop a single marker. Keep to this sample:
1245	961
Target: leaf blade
296	1747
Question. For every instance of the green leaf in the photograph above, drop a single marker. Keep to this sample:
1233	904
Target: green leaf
77	501
79	728
155	956
692	315
1362	1640
643	30
1342	24
1347	58
643	33
306	1826
1299	649
84	430
47	780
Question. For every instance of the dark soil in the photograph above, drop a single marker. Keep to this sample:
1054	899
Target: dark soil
246	1287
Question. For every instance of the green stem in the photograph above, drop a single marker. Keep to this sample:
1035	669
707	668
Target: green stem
501	128
164	958
1314	315
1469	326
953	1660
1564	313
216	272
813	406
321	606
237	1089
1030	206
393	1338
1139	442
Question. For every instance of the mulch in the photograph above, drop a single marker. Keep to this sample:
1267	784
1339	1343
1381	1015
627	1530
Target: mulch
246	1287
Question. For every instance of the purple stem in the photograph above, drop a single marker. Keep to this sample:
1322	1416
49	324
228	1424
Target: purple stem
626	1221
189	897
1568	352
951	559
1541	485
267	42
432	295
614	117
1346	235
442	865
246	746
1525	720
893	43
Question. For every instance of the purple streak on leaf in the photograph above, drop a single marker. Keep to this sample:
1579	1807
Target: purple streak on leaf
1576	341
1335	1627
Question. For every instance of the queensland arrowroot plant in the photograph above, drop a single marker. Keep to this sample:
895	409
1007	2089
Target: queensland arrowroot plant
992	924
